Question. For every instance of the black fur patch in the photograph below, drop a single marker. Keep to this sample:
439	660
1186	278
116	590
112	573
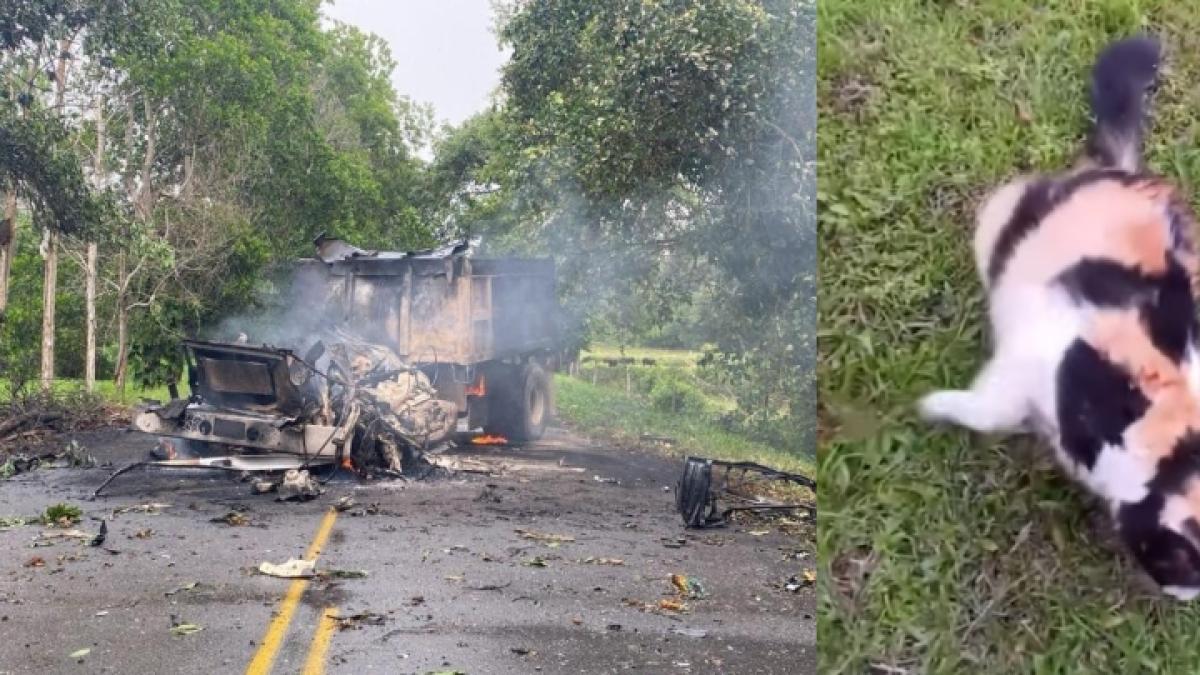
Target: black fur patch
1097	401
1040	198
1107	283
1171	317
1163	301
1166	556
1175	470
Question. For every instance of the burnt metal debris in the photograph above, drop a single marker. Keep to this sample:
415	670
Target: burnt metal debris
396	349
708	491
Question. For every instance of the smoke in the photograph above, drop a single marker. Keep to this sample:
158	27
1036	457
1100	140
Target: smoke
295	306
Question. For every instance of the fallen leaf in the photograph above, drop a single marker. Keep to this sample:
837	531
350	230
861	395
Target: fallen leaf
36	561
602	561
536	561
545	537
671	605
234	518
186	629
680	582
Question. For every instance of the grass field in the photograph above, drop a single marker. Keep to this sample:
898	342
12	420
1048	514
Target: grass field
104	388
942	552
609	412
682	358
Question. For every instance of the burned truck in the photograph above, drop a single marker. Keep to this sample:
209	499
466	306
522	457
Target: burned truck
400	350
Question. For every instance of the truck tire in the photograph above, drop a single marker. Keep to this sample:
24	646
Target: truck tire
521	406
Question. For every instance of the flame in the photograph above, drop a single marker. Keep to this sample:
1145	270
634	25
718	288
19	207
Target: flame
489	440
347	464
477	389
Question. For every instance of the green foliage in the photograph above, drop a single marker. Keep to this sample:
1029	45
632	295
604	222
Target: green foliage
609	412
61	514
662	153
674	394
250	127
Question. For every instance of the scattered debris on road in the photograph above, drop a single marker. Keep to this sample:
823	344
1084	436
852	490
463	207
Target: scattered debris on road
687	587
690	632
186	587
263	486
298	485
69	457
672	605
698	493
101	535
342	574
78	654
798	581
233	518
602	561
551	540
66	534
294	568
149	507
360	619
179	628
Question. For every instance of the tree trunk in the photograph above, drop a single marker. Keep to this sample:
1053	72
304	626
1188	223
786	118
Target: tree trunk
8	245
89	366
49	290
90	272
50	276
122	324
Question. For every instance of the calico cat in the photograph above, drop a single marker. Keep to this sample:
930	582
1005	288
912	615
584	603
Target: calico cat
1090	277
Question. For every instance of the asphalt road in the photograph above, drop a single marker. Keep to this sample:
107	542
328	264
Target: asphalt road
451	585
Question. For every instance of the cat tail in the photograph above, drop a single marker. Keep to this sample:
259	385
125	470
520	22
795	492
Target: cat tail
1123	79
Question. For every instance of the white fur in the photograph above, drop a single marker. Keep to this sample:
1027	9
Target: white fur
1032	329
1181	593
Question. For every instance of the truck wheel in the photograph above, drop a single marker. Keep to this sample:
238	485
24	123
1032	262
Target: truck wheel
522	407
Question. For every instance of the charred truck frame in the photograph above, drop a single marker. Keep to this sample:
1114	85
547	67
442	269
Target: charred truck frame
410	344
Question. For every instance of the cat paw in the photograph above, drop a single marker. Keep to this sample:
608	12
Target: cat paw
940	406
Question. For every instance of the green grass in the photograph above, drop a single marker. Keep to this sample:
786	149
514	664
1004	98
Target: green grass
105	388
682	358
610	413
941	552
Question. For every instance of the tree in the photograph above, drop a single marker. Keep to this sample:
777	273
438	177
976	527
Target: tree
637	136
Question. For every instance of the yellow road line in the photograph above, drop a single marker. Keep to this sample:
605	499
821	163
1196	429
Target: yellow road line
315	663
273	640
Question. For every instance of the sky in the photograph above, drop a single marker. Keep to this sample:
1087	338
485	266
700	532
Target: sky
445	51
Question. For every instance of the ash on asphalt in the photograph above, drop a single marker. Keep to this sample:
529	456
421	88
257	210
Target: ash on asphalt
454	581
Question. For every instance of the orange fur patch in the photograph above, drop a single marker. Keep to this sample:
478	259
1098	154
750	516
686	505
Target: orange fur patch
1105	220
1122	339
